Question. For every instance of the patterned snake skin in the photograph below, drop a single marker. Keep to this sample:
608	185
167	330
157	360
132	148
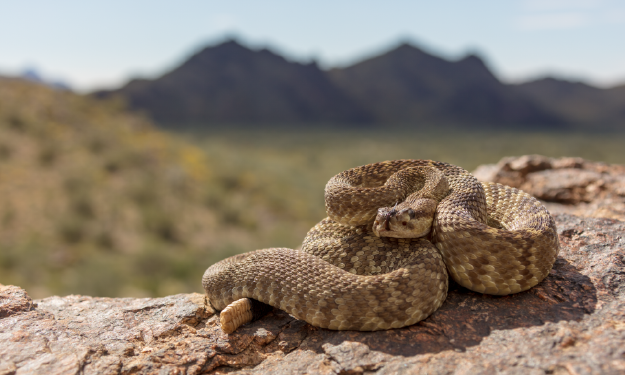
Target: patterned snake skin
489	237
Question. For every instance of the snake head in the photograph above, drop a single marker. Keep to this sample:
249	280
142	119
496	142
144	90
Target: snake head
405	220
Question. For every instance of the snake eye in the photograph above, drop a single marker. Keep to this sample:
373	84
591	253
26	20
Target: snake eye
403	223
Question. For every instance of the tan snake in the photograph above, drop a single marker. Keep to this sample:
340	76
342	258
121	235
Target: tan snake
358	271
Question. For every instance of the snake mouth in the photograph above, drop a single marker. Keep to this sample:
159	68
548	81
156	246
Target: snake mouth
382	228
398	234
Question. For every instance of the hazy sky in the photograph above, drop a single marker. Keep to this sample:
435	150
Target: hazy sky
93	44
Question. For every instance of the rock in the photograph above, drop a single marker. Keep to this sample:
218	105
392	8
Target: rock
14	300
571	323
565	185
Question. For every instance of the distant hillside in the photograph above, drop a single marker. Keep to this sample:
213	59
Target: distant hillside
231	84
94	200
579	103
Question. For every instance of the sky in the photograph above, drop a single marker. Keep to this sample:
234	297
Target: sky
102	44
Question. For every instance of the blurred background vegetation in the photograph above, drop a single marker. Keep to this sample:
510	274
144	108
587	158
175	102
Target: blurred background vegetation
95	200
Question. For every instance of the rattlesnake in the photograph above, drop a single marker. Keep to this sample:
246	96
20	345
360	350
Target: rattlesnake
489	237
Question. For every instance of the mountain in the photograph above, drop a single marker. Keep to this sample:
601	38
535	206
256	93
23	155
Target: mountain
232	84
33	75
229	83
579	103
407	84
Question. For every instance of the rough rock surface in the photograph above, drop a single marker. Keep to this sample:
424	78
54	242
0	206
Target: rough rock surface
565	185
571	323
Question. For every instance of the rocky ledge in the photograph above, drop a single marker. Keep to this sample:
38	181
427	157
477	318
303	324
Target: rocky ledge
566	185
571	323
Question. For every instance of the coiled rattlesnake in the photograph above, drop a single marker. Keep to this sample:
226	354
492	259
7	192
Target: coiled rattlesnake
358	271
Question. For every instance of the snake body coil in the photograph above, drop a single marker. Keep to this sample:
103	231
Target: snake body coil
489	237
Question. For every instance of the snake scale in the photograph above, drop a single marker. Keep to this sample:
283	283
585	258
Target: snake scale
362	268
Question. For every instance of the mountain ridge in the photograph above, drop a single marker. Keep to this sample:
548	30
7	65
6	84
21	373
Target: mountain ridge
229	83
269	87
462	91
578	102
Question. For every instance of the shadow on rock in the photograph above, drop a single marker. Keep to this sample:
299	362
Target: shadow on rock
464	319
